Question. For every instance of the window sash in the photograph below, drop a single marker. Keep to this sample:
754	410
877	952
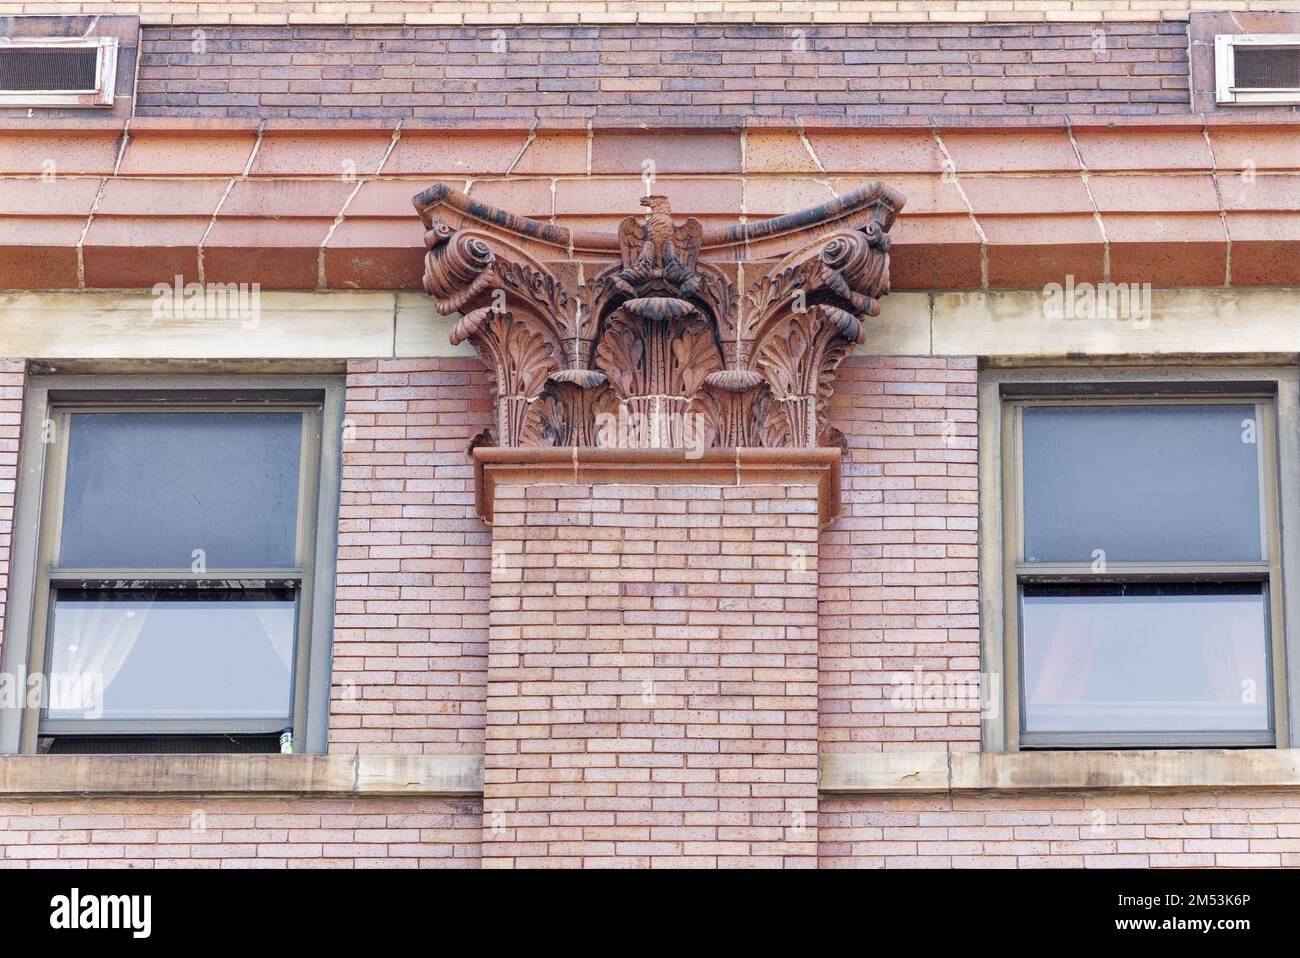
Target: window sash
1265	436
1151	738
164	602
1016	572
51	577
308	462
165	578
83	727
1146	740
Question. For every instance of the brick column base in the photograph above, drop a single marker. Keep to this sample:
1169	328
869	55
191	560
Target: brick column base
652	675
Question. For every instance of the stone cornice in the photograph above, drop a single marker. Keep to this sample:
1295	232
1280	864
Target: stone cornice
1017	203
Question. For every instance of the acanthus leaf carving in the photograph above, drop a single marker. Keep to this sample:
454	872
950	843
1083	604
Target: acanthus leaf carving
799	360
520	359
620	356
568	415
695	356
729	419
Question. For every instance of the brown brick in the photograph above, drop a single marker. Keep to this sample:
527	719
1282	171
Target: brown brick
643	71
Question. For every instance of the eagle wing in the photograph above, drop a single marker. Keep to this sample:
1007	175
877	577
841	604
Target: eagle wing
631	237
688	238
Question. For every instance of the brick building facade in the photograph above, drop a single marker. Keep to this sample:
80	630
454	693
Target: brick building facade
800	639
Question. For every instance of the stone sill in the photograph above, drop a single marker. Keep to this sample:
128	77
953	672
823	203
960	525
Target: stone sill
841	773
881	773
326	775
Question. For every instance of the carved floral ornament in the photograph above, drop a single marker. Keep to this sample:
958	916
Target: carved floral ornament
658	348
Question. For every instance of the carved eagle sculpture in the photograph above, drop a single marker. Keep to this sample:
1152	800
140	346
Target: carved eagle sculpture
655	249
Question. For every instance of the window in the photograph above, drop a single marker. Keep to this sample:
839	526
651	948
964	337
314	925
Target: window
1255	69
1140	555
183	567
57	71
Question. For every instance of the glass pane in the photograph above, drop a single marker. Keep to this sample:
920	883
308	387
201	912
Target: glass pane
1141	483
1145	658
168	654
146	490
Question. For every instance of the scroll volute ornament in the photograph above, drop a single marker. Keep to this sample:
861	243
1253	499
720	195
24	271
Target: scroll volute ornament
657	349
802	318
515	312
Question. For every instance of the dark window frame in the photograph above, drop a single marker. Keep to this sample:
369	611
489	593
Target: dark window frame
34	578
1002	392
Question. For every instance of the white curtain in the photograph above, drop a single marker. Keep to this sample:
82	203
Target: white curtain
93	639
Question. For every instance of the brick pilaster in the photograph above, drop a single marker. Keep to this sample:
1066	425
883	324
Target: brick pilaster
652	676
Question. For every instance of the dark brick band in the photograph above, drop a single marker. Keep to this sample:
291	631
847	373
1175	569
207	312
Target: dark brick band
666	72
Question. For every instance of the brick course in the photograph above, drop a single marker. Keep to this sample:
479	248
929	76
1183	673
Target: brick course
239	833
1099	830
666	71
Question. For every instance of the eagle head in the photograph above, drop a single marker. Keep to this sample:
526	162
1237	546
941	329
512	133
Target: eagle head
657	204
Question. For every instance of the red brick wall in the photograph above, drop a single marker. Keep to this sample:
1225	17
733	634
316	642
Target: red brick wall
13	376
692	590
665	71
1097	830
239	833
899	568
651	696
410	623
